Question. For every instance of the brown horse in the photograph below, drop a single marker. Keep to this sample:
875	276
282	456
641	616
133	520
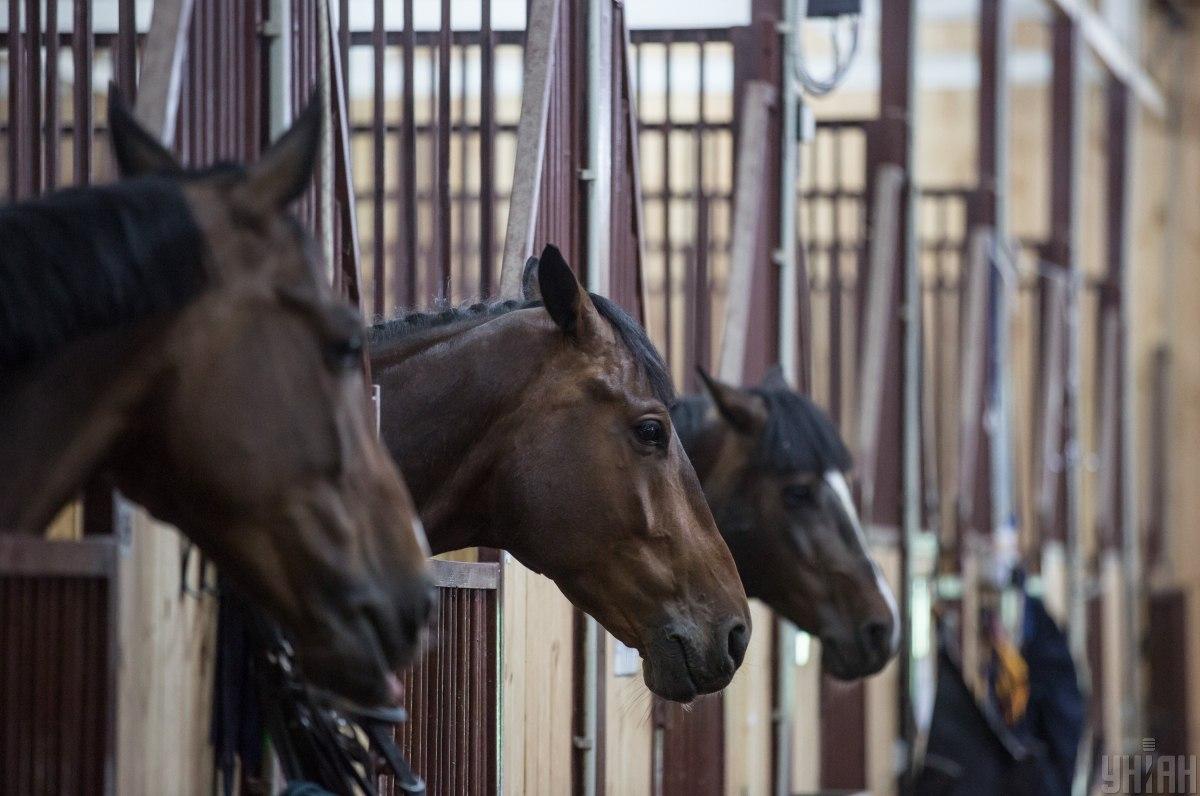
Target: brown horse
173	330
773	468
543	429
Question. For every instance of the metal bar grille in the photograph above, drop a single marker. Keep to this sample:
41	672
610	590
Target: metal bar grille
685	127
450	738
54	698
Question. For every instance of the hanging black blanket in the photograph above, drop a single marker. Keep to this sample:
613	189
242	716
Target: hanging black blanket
971	752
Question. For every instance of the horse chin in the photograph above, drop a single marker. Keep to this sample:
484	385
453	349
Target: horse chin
671	683
848	665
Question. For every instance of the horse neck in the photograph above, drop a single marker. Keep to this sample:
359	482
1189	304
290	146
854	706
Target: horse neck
60	418
447	417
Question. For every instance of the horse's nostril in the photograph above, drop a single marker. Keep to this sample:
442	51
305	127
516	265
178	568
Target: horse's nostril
877	635
739	639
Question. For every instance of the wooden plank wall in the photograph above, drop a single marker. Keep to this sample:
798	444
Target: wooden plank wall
883	694
536	697
806	723
628	729
748	711
165	668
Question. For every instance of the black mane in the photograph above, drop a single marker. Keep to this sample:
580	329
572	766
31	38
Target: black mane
83	260
798	436
629	331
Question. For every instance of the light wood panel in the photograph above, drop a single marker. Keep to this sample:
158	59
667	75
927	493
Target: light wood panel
165	668
629	730
806	722
536	699
883	696
748	711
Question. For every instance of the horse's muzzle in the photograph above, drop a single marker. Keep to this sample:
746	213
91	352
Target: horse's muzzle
684	661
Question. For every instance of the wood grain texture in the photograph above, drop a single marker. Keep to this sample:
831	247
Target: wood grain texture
883	695
164	668
748	712
536	698
629	727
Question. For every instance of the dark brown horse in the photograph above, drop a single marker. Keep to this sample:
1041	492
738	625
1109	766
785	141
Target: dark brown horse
173	330
543	429
773	468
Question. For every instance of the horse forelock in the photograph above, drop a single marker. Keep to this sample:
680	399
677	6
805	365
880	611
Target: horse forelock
799	436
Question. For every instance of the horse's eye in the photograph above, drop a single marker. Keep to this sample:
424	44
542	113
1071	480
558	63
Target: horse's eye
651	432
799	495
345	353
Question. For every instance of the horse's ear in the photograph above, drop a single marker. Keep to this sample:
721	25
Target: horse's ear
286	169
136	150
530	288
741	409
775	380
562	295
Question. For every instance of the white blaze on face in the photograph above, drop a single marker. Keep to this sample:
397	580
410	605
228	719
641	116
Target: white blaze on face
837	482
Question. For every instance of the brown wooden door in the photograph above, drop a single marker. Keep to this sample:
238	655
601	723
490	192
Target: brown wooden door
692	744
1167	713
843	736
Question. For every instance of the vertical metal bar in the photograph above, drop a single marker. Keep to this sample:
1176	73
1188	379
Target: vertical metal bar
900	504
53	127
1122	113
83	48
126	55
668	276
487	151
33	63
444	123
432	262
344	43
836	380
379	137
702	300
1066	98
464	198
16	109
203	85
991	112
406	275
230	17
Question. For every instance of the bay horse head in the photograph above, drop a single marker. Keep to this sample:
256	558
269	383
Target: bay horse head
774	471
235	411
543	427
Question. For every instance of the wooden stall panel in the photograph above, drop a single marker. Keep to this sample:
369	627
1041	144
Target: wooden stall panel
629	724
165	666
883	695
537	698
748	711
806	716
